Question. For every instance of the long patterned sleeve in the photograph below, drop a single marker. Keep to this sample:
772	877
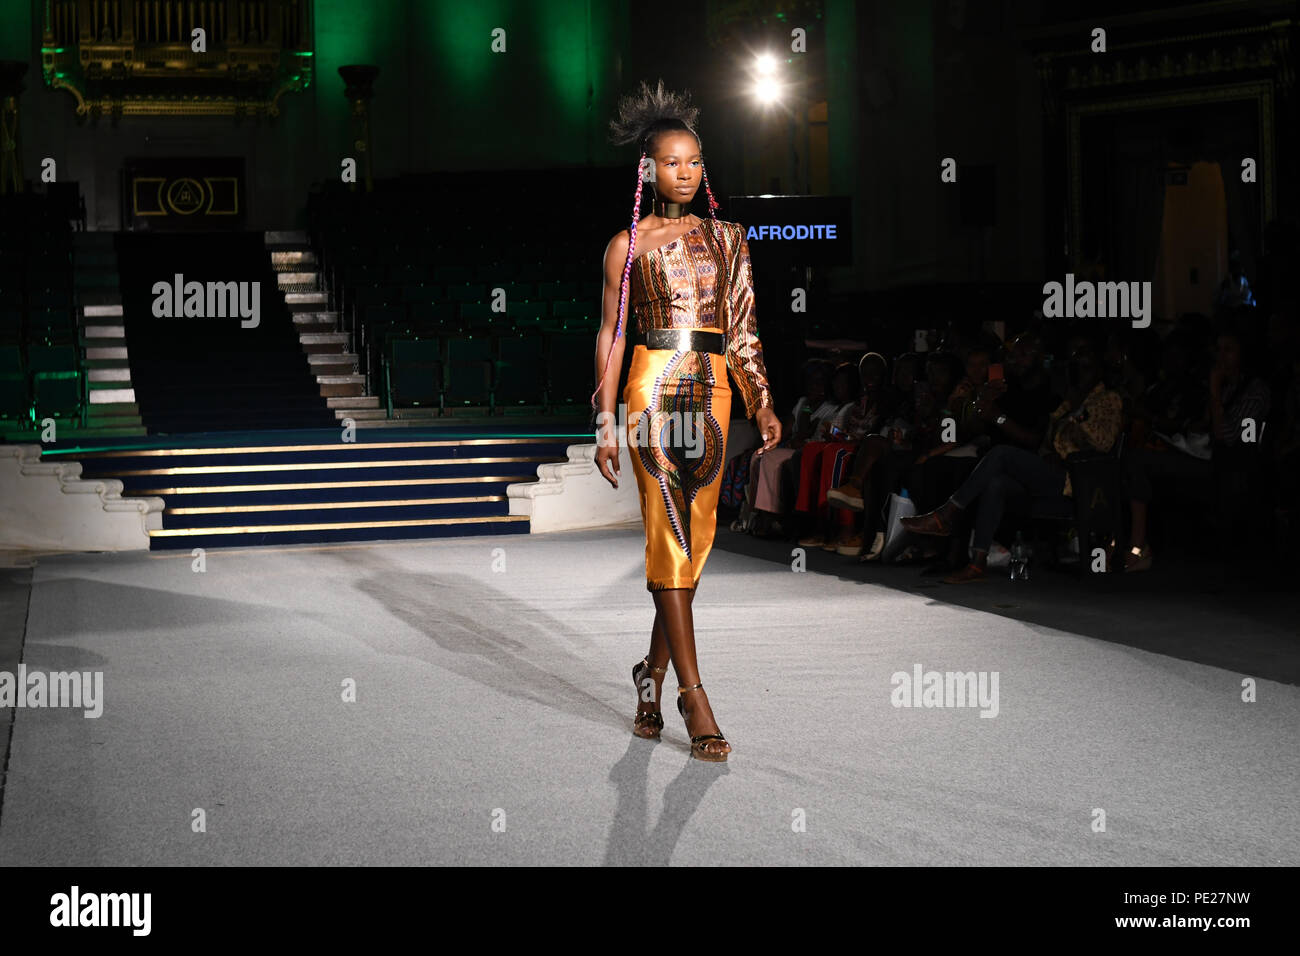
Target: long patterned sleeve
744	350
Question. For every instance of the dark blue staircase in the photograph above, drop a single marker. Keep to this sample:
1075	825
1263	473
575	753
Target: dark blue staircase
292	487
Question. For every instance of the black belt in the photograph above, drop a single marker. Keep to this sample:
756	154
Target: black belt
683	340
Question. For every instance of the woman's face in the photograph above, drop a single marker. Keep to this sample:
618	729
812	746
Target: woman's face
678	166
870	376
843	386
904	377
1227	353
816	385
936	373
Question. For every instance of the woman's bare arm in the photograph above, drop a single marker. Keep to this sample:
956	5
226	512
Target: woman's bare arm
612	268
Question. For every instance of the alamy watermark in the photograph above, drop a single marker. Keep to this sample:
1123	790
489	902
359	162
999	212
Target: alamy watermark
75	689
946	689
213	300
675	429
1098	300
129	910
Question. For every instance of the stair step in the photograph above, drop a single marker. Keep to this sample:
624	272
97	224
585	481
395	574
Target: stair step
353	401
115	411
292	279
96	259
124	409
92	240
111	396
96	297
94	375
293	258
114	421
312	318
306	301
102	311
96	279
286	237
103	331
106	352
105	363
331	358
352	379
360	414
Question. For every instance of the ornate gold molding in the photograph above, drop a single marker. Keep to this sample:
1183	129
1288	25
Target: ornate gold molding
134	58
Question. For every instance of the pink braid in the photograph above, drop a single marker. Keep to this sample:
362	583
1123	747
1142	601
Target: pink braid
627	271
713	204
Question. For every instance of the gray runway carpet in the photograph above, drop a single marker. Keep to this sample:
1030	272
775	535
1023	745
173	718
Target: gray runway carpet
492	721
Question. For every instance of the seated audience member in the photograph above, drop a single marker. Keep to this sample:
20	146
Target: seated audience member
823	461
1237	410
967	393
883	456
1090	419
946	452
1121	373
763	493
1015	409
1286	471
931	397
1173	407
880	407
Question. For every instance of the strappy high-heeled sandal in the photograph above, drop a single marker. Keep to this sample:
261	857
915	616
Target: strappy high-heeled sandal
648	723
698	742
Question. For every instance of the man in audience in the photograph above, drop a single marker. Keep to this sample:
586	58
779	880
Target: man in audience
1015	409
1090	419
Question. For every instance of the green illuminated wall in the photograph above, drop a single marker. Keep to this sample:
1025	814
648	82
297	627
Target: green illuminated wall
445	100
16	33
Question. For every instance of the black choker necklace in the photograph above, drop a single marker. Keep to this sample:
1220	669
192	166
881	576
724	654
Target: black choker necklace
671	210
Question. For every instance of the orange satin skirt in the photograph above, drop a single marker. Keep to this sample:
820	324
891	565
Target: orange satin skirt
678	409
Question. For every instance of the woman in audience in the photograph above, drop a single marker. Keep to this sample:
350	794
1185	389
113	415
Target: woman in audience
1166	417
763	493
827	454
882	454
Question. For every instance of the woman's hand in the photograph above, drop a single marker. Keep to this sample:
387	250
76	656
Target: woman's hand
607	450
607	463
769	428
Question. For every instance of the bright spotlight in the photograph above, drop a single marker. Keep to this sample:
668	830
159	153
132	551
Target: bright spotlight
767	90
766	64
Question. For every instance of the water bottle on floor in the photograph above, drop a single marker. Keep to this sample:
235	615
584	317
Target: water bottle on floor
1019	559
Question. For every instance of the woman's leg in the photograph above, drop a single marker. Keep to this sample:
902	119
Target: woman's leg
810	468
837	461
767	496
658	656
673	610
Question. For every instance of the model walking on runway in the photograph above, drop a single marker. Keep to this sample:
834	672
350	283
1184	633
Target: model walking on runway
692	297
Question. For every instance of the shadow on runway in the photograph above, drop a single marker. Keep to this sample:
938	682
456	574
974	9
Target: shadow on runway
631	841
1208	613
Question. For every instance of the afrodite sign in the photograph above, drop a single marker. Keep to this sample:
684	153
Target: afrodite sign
817	231
796	230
